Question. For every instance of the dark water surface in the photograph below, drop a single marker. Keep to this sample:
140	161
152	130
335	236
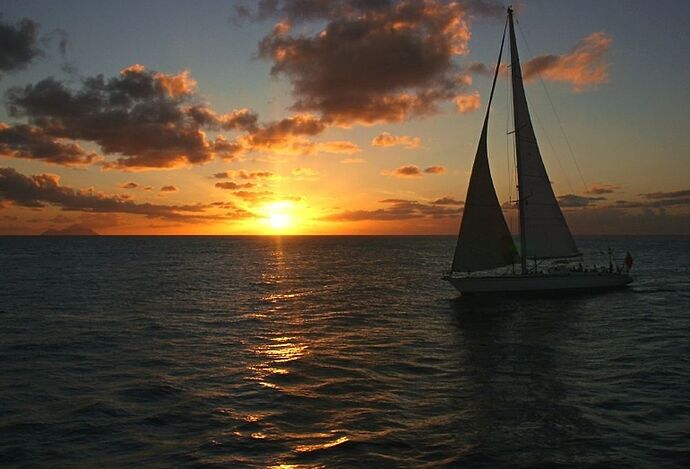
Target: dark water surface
331	352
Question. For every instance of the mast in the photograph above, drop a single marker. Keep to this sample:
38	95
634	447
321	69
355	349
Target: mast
516	80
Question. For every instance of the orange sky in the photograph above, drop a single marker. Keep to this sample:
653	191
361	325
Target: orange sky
350	119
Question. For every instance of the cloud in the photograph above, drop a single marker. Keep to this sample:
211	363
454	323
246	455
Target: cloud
572	200
387	140
229	185
18	45
281	133
435	170
38	190
413	171
308	174
398	209
447	201
377	61
150	119
254	197
599	189
129	185
169	189
244	175
337	146
28	142
406	171
584	66
288	136
467	102
666	195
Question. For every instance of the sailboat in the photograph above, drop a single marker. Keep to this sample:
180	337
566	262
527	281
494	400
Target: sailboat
485	247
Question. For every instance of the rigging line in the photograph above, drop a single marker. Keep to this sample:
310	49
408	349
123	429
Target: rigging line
508	166
595	210
498	66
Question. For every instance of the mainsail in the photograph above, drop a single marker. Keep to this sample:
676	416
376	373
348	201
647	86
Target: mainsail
543	230
484	241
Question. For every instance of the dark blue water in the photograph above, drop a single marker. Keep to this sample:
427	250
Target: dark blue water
331	352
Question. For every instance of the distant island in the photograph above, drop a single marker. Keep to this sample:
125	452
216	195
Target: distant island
72	230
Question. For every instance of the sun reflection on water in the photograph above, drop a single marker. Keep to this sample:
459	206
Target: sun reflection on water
273	357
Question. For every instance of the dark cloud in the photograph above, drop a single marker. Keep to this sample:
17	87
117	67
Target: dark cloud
169	189
18	45
280	133
255	174
150	118
229	185
435	170
398	209
447	201
599	189
667	195
572	200
373	61
128	185
29	142
386	139
407	171
254	197
414	171
38	190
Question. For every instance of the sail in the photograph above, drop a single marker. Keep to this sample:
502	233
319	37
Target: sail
484	241
543	230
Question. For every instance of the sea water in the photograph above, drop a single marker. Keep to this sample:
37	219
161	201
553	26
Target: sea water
332	352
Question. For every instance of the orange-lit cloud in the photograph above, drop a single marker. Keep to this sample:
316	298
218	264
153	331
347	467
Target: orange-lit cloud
413	171
128	185
145	117
447	201
584	66
305	174
288	137
372	62
29	142
397	209
229	185
467	102
244	175
39	190
386	139
435	170
406	171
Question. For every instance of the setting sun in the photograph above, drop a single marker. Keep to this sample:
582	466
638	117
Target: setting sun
280	216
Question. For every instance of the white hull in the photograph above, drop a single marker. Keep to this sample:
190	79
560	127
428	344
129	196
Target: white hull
580	282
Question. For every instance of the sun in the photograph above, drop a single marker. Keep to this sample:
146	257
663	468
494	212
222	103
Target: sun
279	216
279	221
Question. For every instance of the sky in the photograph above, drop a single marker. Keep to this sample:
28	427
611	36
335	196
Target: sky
334	116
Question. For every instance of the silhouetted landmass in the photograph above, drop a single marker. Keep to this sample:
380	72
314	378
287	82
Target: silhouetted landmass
72	230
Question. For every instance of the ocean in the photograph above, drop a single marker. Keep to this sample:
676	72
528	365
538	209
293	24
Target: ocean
332	352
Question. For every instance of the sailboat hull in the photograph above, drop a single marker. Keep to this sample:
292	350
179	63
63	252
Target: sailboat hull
570	282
